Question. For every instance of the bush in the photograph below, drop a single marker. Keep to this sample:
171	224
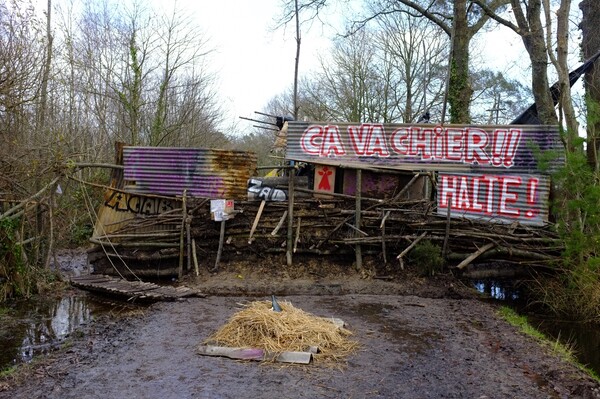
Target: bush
427	258
573	291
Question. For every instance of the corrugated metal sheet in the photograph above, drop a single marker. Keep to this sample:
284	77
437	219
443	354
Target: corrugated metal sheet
205	173
452	148
504	198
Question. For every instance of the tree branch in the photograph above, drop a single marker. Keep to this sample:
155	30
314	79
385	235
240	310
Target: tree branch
429	15
491	13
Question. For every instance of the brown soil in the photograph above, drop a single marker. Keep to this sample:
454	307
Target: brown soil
419	338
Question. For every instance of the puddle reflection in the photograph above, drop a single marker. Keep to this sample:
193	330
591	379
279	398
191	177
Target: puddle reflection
33	327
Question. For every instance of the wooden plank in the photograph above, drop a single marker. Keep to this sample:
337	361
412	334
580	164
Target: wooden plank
131	289
255	354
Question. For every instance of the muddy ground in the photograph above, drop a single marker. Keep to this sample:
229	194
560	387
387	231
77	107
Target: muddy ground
420	338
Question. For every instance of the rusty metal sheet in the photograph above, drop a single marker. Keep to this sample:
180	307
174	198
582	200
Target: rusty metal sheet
204	173
451	148
504	198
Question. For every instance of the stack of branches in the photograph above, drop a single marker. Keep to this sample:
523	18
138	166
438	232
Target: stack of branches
327	227
291	329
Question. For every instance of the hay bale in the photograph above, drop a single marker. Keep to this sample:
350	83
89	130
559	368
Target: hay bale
292	329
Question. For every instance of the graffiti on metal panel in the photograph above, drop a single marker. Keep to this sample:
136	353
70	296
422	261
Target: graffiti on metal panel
468	145
138	204
258	191
504	196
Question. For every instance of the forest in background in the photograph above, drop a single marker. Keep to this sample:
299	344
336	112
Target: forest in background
76	77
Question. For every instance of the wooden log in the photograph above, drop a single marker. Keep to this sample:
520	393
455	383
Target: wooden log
475	255
407	249
339	195
135	244
30	199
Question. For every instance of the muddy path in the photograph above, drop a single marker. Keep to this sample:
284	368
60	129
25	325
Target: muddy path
411	347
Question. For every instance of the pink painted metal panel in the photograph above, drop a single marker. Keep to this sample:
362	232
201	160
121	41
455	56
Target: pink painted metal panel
504	198
204	173
458	148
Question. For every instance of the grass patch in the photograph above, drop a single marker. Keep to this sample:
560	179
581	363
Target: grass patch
555	346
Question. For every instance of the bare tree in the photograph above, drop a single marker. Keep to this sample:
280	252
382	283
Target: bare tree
590	46
413	56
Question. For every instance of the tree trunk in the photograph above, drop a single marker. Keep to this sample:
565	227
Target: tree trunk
535	44
459	88
590	45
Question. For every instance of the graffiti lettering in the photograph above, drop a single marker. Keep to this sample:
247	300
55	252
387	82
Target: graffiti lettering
505	196
256	191
468	145
141	205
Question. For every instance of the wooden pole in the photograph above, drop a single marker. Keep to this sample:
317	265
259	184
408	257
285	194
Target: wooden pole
358	217
447	235
297	235
182	234
220	250
188	234
290	230
195	257
383	249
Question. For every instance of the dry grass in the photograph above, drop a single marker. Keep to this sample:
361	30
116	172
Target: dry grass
292	329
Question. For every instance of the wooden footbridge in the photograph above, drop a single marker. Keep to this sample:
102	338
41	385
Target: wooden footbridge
131	290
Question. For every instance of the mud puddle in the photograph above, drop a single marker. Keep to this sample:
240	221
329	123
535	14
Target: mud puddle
38	326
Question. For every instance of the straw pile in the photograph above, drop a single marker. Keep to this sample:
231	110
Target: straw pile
292	329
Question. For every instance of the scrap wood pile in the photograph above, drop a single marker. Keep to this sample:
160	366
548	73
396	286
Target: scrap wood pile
327	227
291	329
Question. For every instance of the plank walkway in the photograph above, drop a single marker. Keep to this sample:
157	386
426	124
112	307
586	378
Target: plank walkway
131	290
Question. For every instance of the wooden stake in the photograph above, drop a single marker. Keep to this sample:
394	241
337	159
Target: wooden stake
221	240
447	235
358	220
382	226
188	234
276	229
475	255
407	249
405	188
256	219
182	234
290	230
297	235
195	257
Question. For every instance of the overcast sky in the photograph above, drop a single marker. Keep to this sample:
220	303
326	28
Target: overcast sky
254	62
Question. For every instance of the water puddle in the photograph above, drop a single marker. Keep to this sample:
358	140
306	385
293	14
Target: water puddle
584	339
34	327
